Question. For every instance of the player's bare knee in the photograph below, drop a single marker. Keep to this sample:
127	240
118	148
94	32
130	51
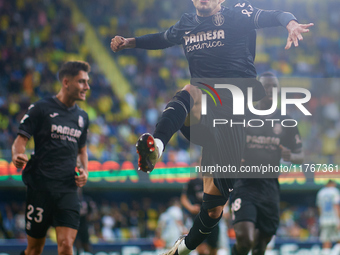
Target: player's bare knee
245	241
65	246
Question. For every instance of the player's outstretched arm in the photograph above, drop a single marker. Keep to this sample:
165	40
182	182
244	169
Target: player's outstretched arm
82	161
156	41
19	157
295	31
248	17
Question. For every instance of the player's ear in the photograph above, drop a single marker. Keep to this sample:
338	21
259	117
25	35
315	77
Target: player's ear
66	82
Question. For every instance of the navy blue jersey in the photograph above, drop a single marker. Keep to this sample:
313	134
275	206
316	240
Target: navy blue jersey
263	148
263	142
219	46
58	132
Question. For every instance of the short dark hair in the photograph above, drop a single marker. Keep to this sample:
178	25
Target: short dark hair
267	74
72	68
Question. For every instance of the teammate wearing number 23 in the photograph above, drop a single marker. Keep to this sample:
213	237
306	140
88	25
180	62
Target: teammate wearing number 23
59	128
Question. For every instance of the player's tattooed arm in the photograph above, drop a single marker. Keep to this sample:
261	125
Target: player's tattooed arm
19	157
82	161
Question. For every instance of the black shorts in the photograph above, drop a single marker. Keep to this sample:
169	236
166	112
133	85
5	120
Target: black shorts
45	209
223	148
265	214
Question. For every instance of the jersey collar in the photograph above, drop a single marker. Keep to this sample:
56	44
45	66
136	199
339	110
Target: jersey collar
64	106
202	19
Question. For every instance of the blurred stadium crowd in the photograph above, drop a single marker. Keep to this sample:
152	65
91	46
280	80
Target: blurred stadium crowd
110	221
36	36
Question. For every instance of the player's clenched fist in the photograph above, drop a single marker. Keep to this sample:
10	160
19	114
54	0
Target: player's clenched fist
19	160
81	179
119	43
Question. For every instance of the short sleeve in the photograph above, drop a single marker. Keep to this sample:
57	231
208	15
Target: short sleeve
175	33
248	17
30	121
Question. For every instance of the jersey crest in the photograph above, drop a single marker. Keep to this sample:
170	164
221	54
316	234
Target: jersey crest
218	19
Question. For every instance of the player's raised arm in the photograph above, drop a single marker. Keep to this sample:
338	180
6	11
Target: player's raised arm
156	41
250	18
